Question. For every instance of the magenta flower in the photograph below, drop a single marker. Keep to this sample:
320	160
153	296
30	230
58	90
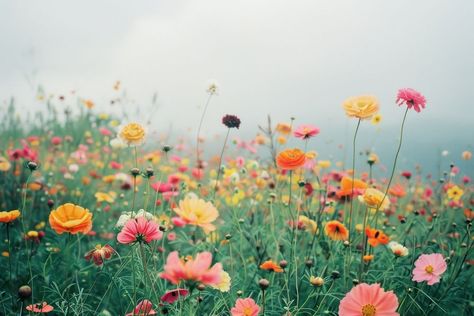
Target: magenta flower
429	268
365	299
306	131
139	230
411	98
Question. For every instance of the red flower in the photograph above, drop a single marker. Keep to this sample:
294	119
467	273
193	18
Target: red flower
40	308
99	254
173	295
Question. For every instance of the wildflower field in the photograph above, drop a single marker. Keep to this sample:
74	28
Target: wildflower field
99	218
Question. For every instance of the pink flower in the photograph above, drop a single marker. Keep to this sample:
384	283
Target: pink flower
104	131
178	221
245	307
172	296
115	165
429	268
139	230
56	140
198	269
40	308
368	300
306	131
144	308
411	98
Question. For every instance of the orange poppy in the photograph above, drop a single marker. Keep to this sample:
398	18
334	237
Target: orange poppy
291	159
269	265
8	217
346	187
376	237
336	230
70	218
397	190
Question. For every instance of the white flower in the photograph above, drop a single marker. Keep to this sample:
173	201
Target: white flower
117	143
444	153
126	216
234	177
398	249
74	168
212	87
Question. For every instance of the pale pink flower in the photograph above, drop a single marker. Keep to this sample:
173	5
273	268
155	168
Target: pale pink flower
245	307
306	131
196	269
139	230
429	268
411	98
365	299
144	308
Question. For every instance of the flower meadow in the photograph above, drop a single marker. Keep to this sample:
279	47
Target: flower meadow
98	218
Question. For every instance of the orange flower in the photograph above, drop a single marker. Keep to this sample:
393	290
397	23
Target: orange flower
291	159
362	107
376	237
283	128
70	218
368	258
269	265
8	217
346	187
336	230
397	190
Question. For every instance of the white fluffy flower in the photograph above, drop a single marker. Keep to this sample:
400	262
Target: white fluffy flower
212	87
117	143
126	216
398	249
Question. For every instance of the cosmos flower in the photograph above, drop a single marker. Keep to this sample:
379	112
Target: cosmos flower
139	230
455	193
245	307
231	121
375	199
411	98
368	300
362	107
197	212
224	284
196	269
306	131
99	254
348	188
429	268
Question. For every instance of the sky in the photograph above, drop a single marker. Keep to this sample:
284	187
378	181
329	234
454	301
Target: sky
296	59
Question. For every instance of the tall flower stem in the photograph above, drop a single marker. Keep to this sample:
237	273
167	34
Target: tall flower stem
199	129
220	163
10	280
353	178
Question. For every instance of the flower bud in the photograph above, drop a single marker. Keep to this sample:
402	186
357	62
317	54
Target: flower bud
24	292
264	284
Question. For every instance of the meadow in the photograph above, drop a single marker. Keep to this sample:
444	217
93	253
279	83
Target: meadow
99	219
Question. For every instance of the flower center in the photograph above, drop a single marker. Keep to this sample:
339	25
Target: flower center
247	311
429	269
368	310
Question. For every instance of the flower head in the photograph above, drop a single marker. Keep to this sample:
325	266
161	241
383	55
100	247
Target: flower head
429	268
411	98
144	308
10	216
362	107
224	284
40	308
70	218
336	230
197	212
269	265
196	269
398	249
455	193
172	296
291	159
368	300
139	230
376	237
306	131
132	134
212	87
375	199
231	121
245	307
99	254
351	188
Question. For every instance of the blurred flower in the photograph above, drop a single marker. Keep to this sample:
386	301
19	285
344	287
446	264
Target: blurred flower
368	300
10	216
455	193
376	119
316	281
231	121
376	237
172	296
105	197
348	188
245	307
291	159
375	199
99	254
70	218
429	268
139	230
197	212
397	190
269	265
306	131
411	98
308	224
224	284
198	269
5	165
40	308
212	87
466	155
132	134
336	230
362	107
283	128
117	143
88	104
144	308
398	249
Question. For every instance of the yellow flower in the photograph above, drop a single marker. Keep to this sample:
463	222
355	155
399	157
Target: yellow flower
324	163
5	254
224	284
32	234
376	119
88	103
455	193
309	224
132	134
373	199
5	165
362	107
316	281
283	128
8	217
197	212
105	197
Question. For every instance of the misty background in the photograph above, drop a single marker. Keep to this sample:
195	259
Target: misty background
296	59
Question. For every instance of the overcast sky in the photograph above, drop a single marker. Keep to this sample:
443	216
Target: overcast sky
284	58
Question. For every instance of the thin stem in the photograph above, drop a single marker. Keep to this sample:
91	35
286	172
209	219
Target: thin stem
199	129
220	163
353	178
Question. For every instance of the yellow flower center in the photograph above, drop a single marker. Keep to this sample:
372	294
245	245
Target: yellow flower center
247	311
368	310
429	269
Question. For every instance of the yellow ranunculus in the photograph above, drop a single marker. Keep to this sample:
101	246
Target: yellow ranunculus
132	134
362	107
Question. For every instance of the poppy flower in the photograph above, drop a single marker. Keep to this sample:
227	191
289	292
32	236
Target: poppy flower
269	265
10	216
172	296
291	159
368	300
139	230
336	230
70	218
376	237
351	188
40	308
